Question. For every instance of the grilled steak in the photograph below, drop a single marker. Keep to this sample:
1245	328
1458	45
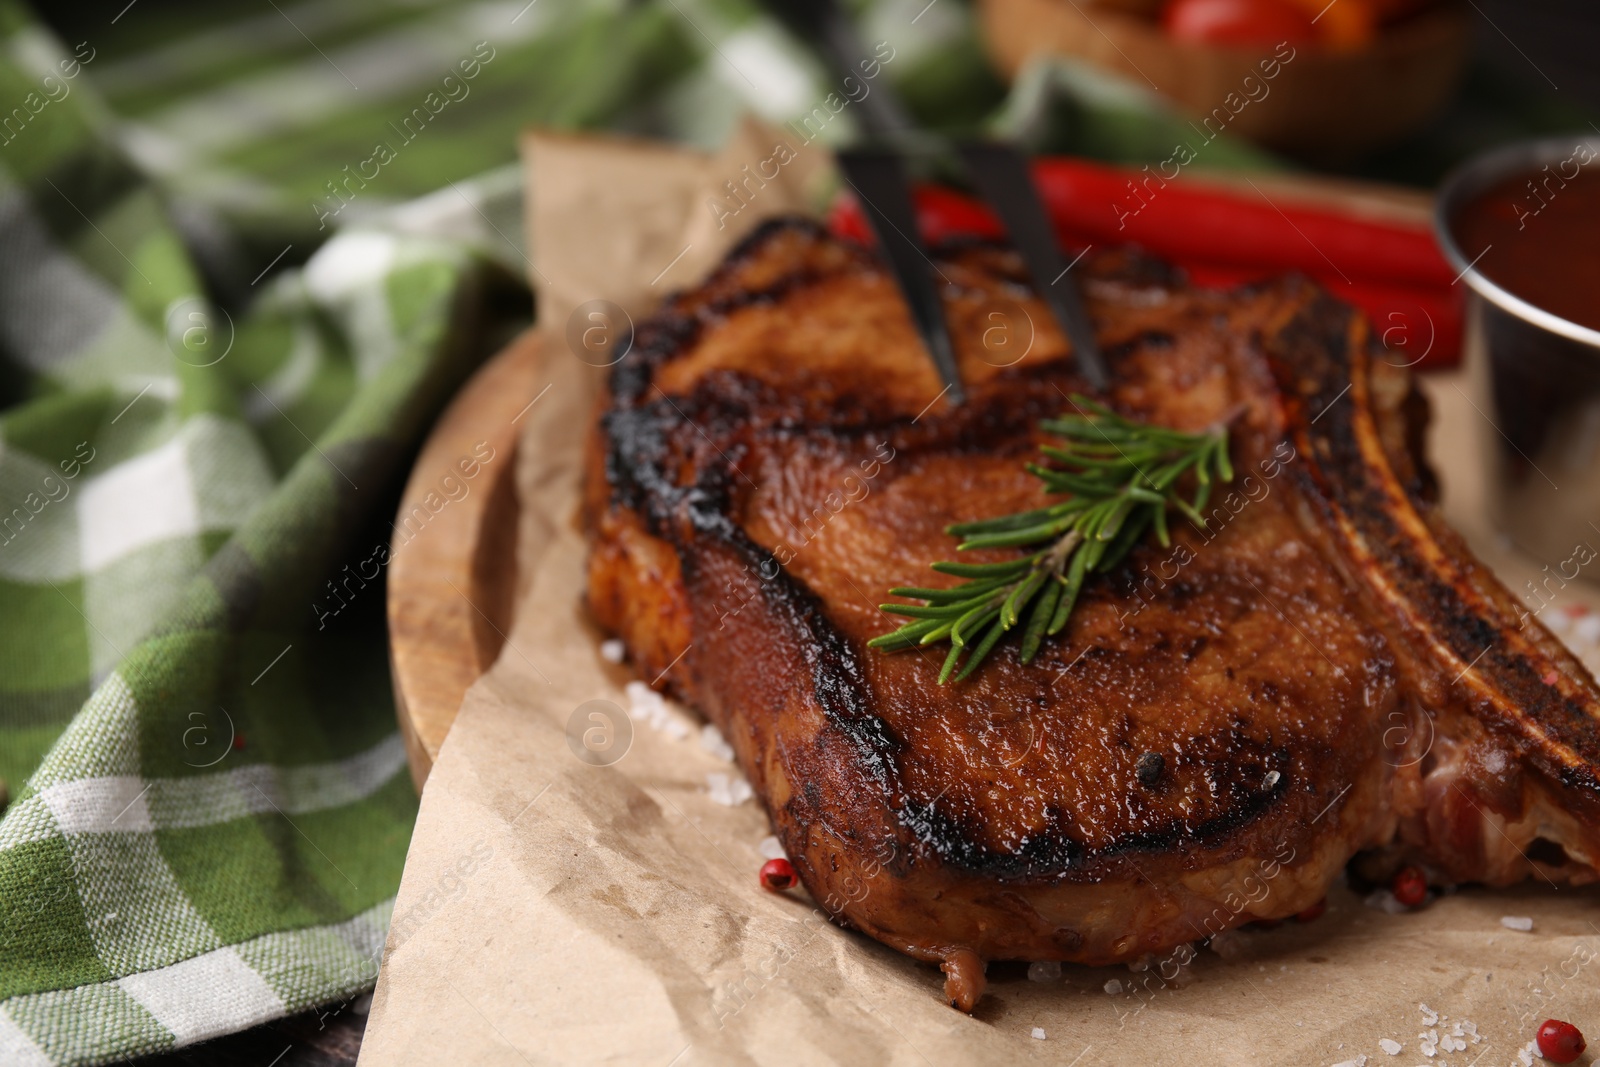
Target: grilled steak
1222	724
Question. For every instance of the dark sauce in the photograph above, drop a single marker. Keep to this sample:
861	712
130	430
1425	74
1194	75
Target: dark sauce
1542	235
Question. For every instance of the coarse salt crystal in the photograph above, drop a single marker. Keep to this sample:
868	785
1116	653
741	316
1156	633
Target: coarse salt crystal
1516	922
712	741
1230	945
645	704
648	706
1044	971
771	849
1429	1016
1526	1053
729	790
1429	1042
1113	987
612	650
1038	1033
1390	1045
1385	901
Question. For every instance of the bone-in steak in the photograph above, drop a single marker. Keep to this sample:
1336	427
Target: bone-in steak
1222	724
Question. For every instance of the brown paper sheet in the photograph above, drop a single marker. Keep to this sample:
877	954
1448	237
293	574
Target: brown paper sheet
557	912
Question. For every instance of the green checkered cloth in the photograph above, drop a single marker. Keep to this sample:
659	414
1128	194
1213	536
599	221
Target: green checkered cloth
244	259
211	804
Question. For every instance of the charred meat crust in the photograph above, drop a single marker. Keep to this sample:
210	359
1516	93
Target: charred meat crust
637	428
1460	618
1261	673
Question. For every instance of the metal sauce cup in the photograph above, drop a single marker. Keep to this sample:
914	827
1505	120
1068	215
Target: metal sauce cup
1537	376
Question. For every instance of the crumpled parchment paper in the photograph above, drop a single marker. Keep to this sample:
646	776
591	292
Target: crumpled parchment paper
576	894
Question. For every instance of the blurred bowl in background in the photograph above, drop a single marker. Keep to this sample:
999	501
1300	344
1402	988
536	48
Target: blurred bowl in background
1534	373
1323	104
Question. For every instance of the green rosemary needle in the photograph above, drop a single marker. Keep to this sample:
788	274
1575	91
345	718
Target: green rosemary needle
1120	478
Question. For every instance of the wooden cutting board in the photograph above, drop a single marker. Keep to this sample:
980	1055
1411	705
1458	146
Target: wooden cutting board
452	586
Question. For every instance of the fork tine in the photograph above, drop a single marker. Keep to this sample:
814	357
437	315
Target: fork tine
879	181
1001	174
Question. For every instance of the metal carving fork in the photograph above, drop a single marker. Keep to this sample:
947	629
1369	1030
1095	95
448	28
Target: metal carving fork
1000	172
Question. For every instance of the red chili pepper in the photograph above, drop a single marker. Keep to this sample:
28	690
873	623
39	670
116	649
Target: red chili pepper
941	214
1313	913
1393	272
1192	220
1410	887
1560	1042
778	875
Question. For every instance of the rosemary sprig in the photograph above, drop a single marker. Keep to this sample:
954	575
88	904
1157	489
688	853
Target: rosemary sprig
1121	475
